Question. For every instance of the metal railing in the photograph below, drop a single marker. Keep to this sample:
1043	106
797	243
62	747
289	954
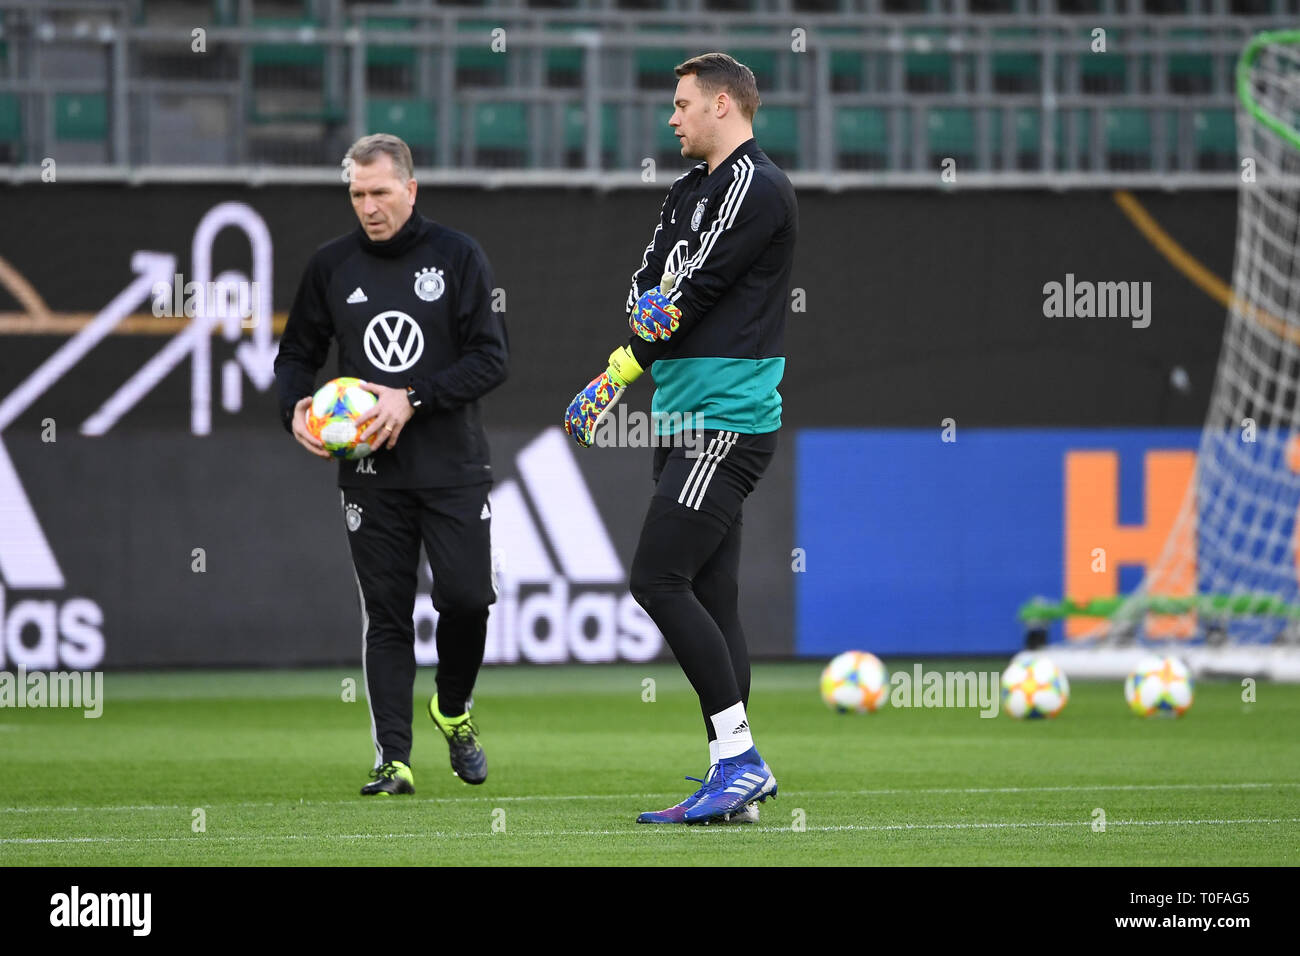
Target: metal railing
1008	98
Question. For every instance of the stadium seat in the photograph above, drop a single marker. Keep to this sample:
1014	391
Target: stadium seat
476	63
225	13
1190	71
387	56
861	138
1128	138
414	120
652	67
81	117
1106	72
287	55
777	130
927	68
1214	137
950	132
1016	71
500	133
849	67
761	60
11	118
575	134
563	66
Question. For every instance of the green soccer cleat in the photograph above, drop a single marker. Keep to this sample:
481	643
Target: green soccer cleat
389	780
467	758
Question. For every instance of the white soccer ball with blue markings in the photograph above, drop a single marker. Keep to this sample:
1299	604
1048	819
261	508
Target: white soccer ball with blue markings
855	682
1032	686
1159	686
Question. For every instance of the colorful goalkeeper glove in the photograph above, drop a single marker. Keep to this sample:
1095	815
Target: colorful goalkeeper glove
592	404
655	318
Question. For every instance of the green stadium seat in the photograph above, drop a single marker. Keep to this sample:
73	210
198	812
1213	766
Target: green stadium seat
1214	139
575	131
82	117
761	61
1103	72
1215	131
414	120
849	68
951	132
1128	138
501	133
563	61
861	130
500	125
225	13
928	70
777	130
478	64
11	118
1028	138
1190	71
861	137
287	55
386	55
653	66
1016	71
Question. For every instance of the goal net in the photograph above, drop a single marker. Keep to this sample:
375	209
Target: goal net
1225	591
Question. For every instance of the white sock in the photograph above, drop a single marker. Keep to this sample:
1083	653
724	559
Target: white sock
732	728
713	754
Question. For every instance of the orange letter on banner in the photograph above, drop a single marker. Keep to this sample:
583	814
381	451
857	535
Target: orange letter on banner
1092	521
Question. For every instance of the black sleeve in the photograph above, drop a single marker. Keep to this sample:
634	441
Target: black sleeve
647	276
305	343
750	215
484	346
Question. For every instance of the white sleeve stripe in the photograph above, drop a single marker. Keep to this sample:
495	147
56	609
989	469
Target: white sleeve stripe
743	172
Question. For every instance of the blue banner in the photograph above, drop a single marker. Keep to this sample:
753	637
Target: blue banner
916	545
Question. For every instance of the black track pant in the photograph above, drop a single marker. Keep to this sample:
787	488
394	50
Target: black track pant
688	561
385	529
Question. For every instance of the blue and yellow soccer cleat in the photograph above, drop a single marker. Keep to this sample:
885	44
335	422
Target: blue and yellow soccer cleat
677	814
739	782
390	779
468	761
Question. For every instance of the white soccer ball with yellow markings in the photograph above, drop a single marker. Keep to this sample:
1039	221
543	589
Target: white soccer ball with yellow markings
1159	686
1033	686
855	682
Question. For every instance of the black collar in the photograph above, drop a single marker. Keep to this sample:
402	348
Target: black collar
747	148
399	242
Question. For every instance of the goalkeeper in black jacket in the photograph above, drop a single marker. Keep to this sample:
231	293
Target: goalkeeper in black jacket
713	328
410	304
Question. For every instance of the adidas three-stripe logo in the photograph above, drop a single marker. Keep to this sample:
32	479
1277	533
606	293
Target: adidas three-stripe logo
747	782
697	482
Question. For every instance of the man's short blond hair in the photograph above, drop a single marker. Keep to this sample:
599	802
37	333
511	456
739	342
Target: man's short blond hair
369	148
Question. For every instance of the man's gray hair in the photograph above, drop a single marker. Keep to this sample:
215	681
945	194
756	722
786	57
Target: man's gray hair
369	148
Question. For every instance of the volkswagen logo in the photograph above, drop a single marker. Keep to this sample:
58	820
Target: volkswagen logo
393	341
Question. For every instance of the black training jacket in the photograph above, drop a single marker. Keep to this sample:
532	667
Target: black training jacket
413	310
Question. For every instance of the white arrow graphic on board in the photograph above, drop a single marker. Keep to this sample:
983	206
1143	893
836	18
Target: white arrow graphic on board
257	357
150	268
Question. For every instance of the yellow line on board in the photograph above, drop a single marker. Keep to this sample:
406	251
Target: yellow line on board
1197	274
70	323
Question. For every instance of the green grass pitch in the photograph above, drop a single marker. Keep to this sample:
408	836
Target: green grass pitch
275	759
